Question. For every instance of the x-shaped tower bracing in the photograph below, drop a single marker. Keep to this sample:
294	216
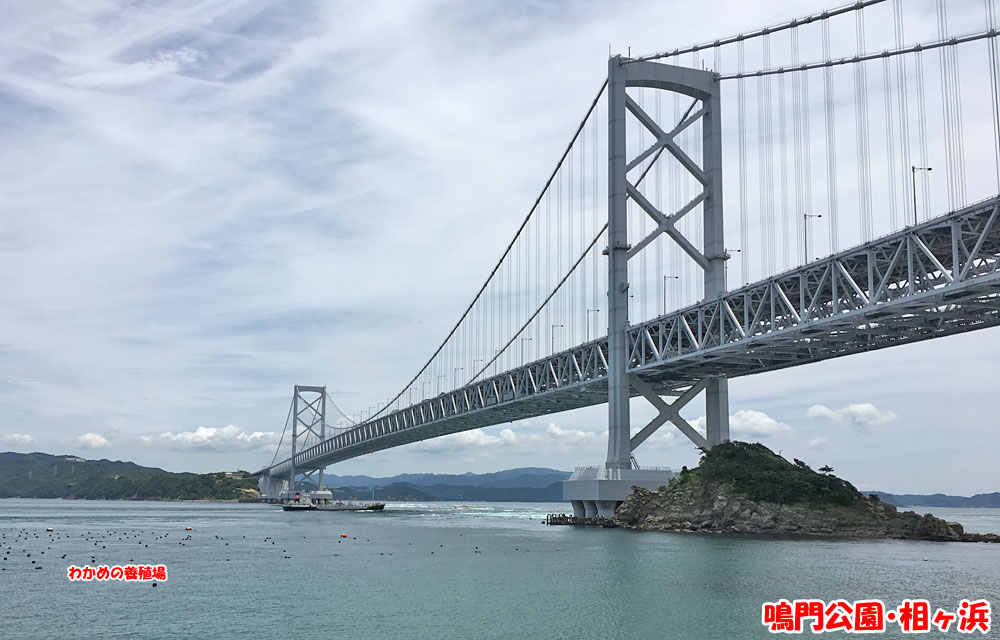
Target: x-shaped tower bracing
703	88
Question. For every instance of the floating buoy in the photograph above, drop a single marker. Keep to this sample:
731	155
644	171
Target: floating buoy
343	535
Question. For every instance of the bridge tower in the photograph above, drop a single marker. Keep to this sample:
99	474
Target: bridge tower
599	490
308	418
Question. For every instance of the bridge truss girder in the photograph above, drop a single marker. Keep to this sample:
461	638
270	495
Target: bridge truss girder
949	283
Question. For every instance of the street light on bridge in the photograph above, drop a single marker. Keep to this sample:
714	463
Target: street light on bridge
553	333
665	278
805	232
726	255
913	173
596	318
524	356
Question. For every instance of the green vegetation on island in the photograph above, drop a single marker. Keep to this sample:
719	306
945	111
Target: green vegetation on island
756	472
40	475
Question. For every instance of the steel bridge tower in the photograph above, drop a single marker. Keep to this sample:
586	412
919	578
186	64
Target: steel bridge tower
599	490
308	415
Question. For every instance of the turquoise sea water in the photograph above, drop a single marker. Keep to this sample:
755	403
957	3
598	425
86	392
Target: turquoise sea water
440	570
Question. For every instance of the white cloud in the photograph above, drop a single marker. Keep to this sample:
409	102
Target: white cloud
817	442
523	437
861	417
229	438
17	438
573	437
92	441
466	441
118	76
749	423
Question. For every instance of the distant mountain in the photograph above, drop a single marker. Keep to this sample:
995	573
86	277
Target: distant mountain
408	492
535	477
40	475
939	500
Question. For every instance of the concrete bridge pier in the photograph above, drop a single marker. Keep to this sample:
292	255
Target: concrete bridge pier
598	491
271	489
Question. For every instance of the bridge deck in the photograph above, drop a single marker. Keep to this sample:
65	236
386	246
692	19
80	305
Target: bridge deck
934	279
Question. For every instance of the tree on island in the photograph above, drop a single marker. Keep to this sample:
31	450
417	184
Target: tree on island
826	469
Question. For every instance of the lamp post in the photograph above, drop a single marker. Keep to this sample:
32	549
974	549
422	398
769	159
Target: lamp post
457	369
913	174
805	232
553	333
524	350
665	278
590	311
727	254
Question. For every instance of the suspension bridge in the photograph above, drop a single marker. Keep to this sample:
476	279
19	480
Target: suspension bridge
617	282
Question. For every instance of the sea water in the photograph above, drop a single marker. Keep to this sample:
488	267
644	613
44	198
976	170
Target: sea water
440	570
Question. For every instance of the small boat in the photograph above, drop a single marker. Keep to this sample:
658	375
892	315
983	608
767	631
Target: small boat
322	501
299	504
351	506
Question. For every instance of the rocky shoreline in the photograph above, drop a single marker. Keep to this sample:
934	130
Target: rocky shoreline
654	511
703	501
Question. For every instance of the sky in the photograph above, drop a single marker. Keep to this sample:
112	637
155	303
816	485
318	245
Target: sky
204	203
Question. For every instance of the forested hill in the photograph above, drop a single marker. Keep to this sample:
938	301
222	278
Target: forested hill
41	475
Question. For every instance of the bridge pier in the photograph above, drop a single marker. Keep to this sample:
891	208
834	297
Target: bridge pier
597	491
271	489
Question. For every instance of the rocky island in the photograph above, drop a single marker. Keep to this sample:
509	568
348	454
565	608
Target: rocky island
742	488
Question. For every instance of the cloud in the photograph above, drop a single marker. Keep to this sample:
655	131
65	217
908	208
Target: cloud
162	63
573	437
749	423
92	441
466	441
523	437
861	417
17	438
230	438
817	442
